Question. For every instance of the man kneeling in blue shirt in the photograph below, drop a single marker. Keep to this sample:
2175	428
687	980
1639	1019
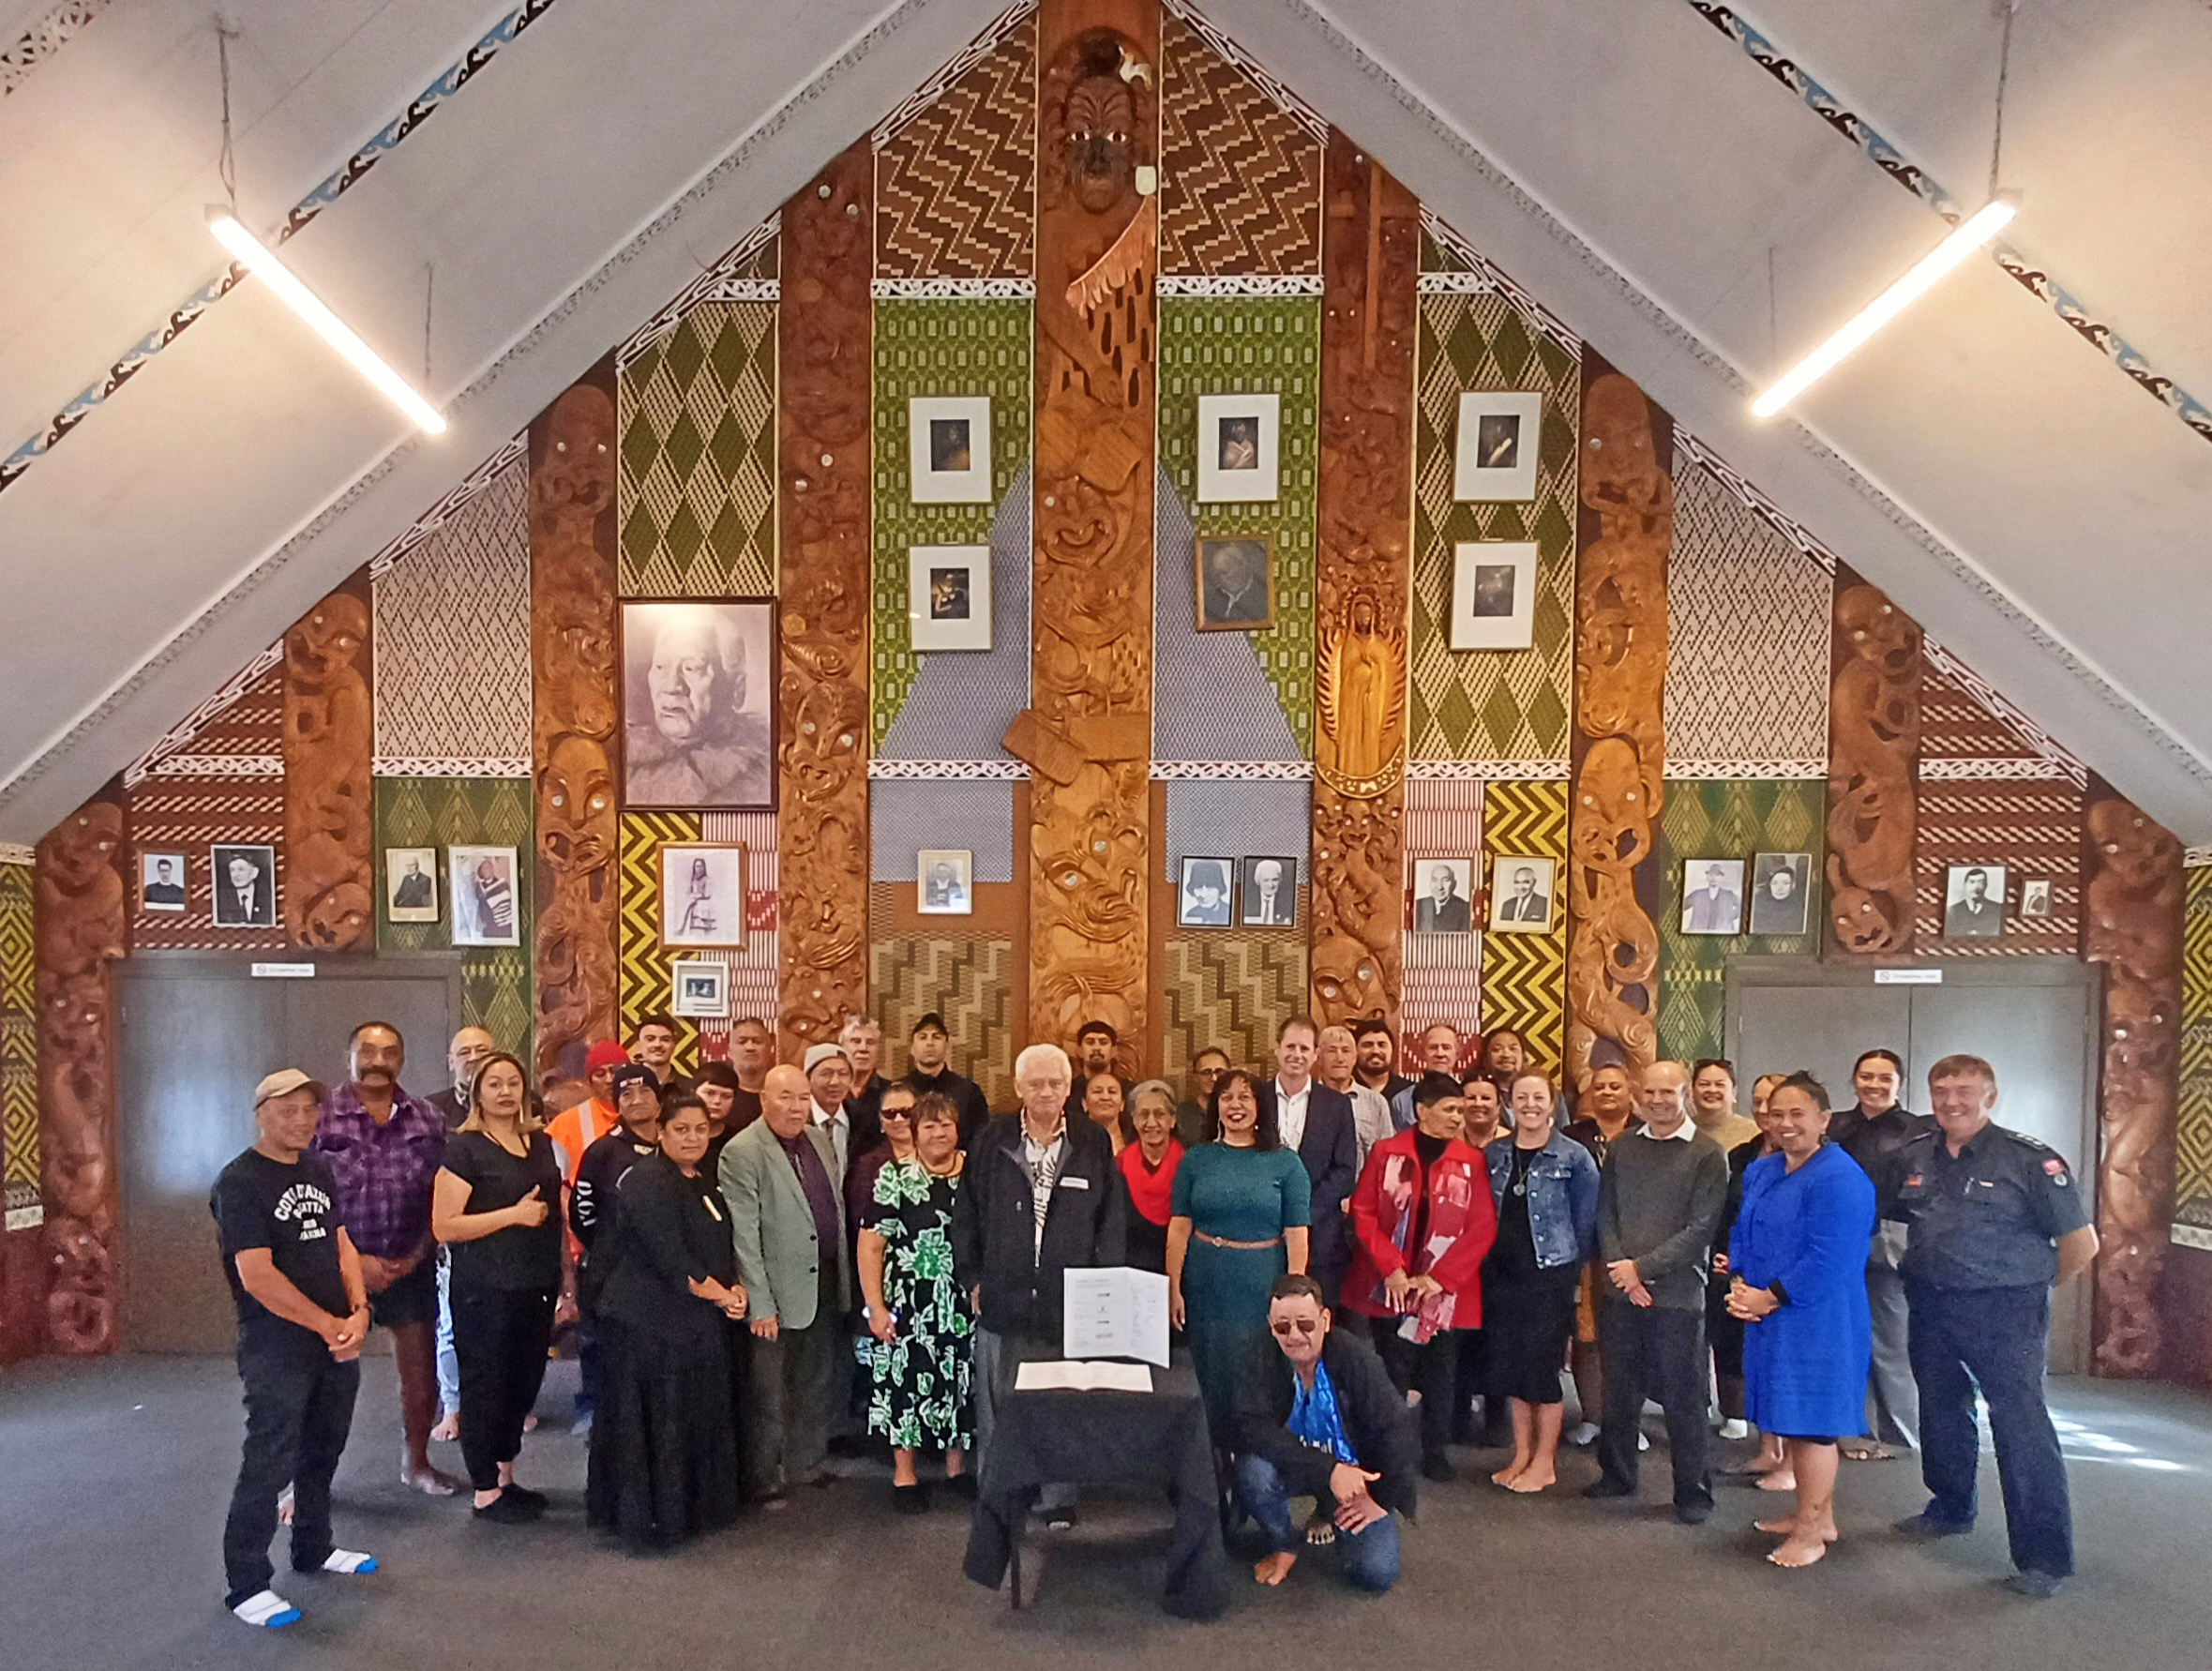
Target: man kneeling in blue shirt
1318	1416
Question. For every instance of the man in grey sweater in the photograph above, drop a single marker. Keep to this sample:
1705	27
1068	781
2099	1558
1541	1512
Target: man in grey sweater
1659	1204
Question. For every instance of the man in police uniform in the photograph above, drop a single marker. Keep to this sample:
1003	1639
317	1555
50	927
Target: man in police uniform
1998	1219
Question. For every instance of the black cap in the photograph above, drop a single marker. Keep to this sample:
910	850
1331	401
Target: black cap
931	1019
633	1073
1088	1028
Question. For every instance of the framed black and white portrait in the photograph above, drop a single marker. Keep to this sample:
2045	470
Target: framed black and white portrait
699	705
161	882
245	884
1972	901
487	910
949	598
1443	895
1521	894
411	884
702	893
949	449
944	882
1712	895
1267	892
1493	595
1240	440
1203	893
1235	583
2035	899
699	989
1781	891
1494	457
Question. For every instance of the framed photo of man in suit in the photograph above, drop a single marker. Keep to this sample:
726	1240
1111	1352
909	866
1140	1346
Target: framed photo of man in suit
1712	896
1972	901
945	879
411	884
245	884
1268	893
1521	894
1443	895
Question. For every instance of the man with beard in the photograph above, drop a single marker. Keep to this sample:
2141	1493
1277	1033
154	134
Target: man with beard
930	1073
699	744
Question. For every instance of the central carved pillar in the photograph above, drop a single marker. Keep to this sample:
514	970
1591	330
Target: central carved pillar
1087	736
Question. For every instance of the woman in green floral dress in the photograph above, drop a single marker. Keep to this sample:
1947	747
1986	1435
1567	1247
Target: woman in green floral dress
925	1366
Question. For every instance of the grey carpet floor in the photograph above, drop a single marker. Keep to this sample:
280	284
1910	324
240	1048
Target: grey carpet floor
114	1477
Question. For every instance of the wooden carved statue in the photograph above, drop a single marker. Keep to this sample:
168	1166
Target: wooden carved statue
822	339
328	902
1873	752
1620	640
1088	733
2133	924
1370	261
80	933
572	489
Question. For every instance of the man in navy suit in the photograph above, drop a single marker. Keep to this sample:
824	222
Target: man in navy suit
1317	1121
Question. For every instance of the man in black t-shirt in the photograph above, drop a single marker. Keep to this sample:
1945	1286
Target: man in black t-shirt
302	1313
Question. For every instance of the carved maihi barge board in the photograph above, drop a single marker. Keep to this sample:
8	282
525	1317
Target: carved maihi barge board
1371	265
1087	735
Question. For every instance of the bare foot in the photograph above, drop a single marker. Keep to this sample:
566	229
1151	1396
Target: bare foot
1277	1568
1528	1481
1780	1480
448	1428
1509	1473
1866	1453
528	1425
1786	1527
1799	1552
431	1482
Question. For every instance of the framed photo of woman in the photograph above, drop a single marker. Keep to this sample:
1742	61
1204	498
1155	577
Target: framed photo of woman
702	893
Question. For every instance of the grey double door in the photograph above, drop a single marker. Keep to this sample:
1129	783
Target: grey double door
196	1032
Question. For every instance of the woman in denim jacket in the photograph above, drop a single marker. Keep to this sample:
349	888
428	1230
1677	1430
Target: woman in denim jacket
1546	1188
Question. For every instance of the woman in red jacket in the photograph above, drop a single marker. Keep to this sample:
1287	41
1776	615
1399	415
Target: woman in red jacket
1422	1221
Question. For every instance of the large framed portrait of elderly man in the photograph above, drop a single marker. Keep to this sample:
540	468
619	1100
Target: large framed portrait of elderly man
699	705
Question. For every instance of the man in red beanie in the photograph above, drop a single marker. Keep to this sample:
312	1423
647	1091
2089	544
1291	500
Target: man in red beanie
573	1131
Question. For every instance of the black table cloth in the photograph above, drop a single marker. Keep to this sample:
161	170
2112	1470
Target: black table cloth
1091	1437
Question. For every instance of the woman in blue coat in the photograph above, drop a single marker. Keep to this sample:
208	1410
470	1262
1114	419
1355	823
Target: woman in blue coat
1798	1254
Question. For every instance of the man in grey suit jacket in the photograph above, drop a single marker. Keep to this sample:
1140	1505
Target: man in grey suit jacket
781	1179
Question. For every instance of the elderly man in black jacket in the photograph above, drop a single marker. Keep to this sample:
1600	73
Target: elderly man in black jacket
1042	1196
1317	1124
1318	1416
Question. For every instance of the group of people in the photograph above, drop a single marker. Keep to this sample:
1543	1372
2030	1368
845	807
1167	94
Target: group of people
761	1260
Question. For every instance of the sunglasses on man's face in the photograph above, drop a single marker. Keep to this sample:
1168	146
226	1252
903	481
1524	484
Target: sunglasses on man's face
1290	1326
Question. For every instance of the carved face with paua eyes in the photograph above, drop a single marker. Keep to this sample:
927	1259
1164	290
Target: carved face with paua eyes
1099	141
575	801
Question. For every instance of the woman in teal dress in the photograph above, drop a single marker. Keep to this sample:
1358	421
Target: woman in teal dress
1236	1220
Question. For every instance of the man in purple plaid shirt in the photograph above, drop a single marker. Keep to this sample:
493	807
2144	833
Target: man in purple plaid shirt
384	1147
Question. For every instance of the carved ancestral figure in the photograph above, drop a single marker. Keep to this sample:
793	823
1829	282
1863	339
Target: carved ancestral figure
1874	750
327	783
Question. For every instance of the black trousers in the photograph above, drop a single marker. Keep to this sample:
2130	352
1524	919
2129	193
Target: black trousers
1994	1338
1655	1352
501	1336
299	1408
1430	1368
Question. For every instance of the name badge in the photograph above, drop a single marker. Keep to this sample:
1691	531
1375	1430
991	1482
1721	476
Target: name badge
1074	1183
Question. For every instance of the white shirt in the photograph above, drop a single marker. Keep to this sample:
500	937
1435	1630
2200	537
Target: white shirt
1290	1114
1683	1133
840	1131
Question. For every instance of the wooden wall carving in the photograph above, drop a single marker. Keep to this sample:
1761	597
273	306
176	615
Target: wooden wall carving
1874	755
1370	265
1087	732
2132	925
822	474
81	927
572	640
329	740
1626	530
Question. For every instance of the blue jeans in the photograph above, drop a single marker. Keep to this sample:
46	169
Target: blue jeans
448	1360
1370	1558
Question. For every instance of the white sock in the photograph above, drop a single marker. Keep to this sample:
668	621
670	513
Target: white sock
267	1610
349	1560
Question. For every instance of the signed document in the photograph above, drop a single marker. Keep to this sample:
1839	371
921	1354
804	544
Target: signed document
1115	1312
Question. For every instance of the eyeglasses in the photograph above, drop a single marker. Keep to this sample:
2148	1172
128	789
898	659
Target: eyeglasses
1290	1326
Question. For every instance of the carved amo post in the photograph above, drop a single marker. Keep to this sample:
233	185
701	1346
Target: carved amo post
572	567
80	933
1087	736
2132	925
1627	534
327	793
1370	276
822	464
1873	760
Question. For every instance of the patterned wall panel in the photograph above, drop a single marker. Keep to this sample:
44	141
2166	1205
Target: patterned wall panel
228	785
1250	345
646	973
1217	818
908	815
441	812
19	1049
1214	700
1443	972
329	743
964	346
1955	726
2032	829
1230	989
969	983
1748	624
452	639
1479	705
753	973
1239	178
1525	975
955	184
2192	1126
697	413
1731	819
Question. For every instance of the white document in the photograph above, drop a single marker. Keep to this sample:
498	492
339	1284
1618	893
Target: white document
1078	1376
1115	1312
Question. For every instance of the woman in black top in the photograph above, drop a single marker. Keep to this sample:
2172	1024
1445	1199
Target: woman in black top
493	1202
664	1443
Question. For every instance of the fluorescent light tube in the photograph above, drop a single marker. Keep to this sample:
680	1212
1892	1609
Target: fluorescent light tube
1970	235
262	260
